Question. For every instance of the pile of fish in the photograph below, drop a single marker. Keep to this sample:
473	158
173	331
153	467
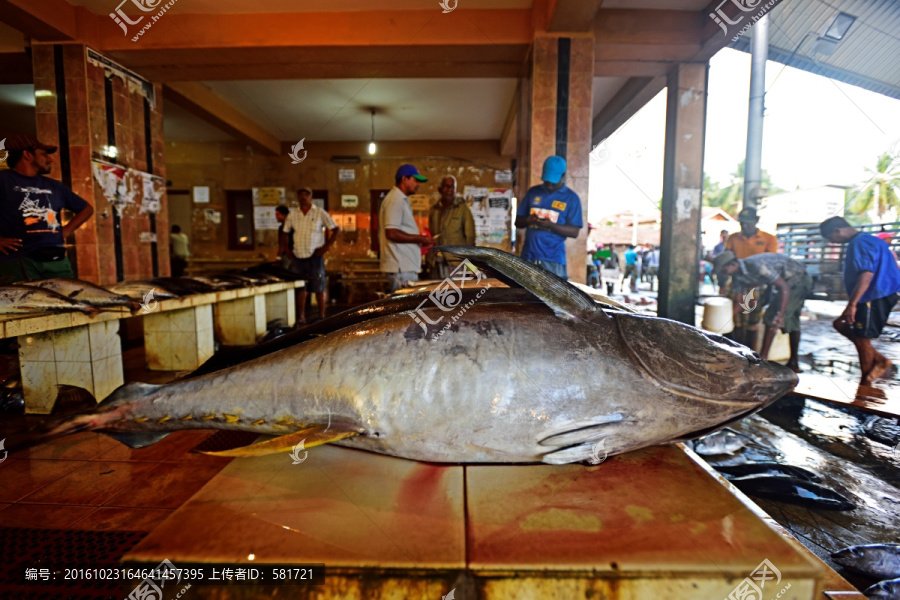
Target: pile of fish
540	374
771	480
879	562
64	295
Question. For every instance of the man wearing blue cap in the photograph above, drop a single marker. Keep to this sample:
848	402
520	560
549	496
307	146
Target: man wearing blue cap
398	233
552	213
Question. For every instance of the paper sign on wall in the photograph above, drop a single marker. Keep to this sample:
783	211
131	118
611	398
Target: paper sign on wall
264	218
346	174
349	201
687	201
268	196
503	176
147	237
201	194
420	202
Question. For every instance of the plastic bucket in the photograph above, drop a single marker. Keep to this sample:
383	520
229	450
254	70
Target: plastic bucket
717	315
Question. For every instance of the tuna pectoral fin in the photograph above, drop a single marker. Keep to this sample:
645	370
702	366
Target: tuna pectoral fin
567	301
306	438
138	439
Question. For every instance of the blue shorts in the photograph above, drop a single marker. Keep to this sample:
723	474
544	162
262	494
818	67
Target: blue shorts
312	271
871	317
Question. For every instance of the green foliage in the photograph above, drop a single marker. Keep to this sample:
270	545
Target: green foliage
879	192
731	196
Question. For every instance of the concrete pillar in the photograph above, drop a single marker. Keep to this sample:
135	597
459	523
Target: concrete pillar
556	105
682	188
240	322
281	305
179	340
86	356
82	106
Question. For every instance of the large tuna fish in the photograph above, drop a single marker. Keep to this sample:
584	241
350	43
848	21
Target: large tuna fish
878	561
556	382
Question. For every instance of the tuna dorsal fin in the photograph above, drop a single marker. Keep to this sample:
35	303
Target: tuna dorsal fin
314	436
567	301
130	391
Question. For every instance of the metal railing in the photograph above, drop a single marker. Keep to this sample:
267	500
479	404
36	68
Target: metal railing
824	261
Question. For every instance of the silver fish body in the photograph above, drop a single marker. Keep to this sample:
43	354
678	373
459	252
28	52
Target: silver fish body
22	299
501	383
884	590
878	561
84	291
721	442
138	290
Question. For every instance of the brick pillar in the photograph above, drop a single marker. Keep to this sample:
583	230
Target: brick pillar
79	108
682	188
560	100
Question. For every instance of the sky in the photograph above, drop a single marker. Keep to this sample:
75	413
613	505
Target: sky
817	131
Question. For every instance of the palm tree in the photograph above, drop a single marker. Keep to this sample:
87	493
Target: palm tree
879	192
731	197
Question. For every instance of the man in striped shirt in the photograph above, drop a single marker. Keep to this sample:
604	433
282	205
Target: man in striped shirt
314	232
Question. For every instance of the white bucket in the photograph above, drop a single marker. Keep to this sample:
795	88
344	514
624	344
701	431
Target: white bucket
717	315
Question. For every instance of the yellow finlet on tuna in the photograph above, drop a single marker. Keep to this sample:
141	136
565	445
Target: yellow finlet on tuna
314	436
260	422
163	420
141	419
208	418
187	418
231	418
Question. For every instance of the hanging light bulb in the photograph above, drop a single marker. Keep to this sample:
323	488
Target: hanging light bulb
372	146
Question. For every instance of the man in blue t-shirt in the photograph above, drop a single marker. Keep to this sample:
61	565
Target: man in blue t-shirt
552	213
872	281
32	236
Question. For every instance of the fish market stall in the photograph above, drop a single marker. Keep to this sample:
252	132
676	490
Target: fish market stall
84	350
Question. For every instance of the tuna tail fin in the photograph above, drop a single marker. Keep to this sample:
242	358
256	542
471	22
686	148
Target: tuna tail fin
296	442
567	301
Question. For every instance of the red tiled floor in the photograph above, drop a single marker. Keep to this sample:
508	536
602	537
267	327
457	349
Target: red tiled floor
92	484
176	447
42	516
168	485
19	478
80	446
122	519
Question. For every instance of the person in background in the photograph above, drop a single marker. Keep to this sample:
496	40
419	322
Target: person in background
592	276
32	236
314	234
872	280
398	233
552	213
747	242
451	223
652	265
717	250
179	251
285	256
632	266
611	269
791	283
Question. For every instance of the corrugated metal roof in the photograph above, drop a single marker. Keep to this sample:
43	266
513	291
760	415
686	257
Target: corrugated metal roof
868	56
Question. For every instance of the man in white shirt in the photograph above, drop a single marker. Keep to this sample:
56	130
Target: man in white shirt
398	233
314	232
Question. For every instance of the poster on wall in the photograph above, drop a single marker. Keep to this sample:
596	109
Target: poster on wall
264	218
420	202
201	194
346	174
491	209
123	187
268	196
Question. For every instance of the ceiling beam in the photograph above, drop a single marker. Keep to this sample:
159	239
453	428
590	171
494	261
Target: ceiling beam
202	102
48	20
636	92
17	68
212	64
509	137
573	15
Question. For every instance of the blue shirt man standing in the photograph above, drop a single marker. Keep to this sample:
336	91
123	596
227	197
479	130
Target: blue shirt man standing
552	213
872	281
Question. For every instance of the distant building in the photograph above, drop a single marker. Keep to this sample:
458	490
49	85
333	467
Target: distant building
812	205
